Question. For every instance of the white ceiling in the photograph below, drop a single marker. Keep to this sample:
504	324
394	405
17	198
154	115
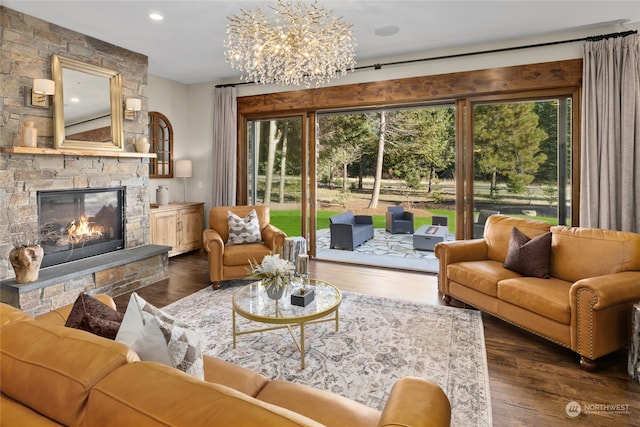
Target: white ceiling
187	45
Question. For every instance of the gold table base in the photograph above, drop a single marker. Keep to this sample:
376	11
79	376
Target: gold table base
282	321
289	326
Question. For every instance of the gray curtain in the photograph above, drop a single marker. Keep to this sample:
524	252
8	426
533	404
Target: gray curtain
225	119
610	158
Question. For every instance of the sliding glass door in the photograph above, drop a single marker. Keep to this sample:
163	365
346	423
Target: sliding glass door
521	160
464	159
275	170
370	159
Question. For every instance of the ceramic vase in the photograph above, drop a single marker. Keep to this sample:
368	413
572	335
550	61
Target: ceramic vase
142	145
26	262
275	287
162	195
29	135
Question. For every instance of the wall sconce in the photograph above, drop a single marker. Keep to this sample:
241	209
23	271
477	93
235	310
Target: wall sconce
37	97
131	105
184	170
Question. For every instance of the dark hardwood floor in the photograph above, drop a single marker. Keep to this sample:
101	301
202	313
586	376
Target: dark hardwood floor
531	379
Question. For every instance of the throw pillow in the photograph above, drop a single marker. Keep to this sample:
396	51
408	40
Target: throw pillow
159	337
243	230
529	257
92	315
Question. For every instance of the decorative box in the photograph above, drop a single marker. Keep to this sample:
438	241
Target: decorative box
302	299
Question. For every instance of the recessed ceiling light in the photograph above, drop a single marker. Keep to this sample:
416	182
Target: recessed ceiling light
156	16
387	30
75	99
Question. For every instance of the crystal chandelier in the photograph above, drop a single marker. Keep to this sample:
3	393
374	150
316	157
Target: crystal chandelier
301	44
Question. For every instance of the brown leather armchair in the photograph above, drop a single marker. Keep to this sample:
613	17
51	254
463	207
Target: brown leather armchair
231	262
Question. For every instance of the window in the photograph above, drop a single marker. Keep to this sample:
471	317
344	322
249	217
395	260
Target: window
522	159
540	185
276	163
161	139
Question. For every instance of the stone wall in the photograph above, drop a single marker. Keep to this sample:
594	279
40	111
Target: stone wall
133	269
27	45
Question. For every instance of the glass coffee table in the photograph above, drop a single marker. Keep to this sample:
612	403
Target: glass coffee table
251	302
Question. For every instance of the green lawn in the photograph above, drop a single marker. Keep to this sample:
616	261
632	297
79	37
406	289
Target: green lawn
289	221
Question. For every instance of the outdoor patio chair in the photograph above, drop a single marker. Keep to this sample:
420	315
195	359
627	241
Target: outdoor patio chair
399	221
439	220
478	227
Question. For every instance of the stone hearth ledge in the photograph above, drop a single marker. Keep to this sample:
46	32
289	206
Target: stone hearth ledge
113	273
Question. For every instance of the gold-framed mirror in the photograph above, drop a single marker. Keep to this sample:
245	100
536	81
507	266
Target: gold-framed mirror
87	106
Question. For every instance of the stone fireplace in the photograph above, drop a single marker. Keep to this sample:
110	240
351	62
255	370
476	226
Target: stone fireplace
80	223
111	192
26	174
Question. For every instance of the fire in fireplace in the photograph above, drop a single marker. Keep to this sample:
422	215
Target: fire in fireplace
80	223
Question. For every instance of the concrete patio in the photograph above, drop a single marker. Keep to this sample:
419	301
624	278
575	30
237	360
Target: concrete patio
384	250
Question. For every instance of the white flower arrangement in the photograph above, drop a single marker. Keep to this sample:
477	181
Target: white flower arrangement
272	267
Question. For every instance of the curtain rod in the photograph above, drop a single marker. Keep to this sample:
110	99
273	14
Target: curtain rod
482	52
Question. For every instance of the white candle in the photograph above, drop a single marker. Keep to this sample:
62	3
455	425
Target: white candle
302	267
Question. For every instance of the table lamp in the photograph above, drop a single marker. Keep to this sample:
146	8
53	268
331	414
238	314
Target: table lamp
184	170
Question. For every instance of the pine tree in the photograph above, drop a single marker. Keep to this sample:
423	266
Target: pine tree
507	144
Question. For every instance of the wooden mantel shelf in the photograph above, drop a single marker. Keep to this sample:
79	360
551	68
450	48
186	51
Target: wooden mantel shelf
69	152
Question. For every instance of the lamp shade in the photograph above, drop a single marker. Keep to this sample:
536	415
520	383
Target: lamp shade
44	86
183	169
133	104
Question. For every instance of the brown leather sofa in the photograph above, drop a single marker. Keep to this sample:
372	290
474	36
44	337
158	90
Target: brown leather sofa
585	305
231	262
53	375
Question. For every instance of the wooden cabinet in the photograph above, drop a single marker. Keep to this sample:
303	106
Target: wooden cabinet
178	225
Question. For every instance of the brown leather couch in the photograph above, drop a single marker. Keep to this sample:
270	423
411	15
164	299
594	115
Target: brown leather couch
53	375
232	262
585	305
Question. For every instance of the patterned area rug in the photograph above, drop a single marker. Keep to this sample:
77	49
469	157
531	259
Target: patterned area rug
379	341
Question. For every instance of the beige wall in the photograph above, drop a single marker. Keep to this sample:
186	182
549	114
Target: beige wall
170	98
190	110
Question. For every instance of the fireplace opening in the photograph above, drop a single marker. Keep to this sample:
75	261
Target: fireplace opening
80	223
